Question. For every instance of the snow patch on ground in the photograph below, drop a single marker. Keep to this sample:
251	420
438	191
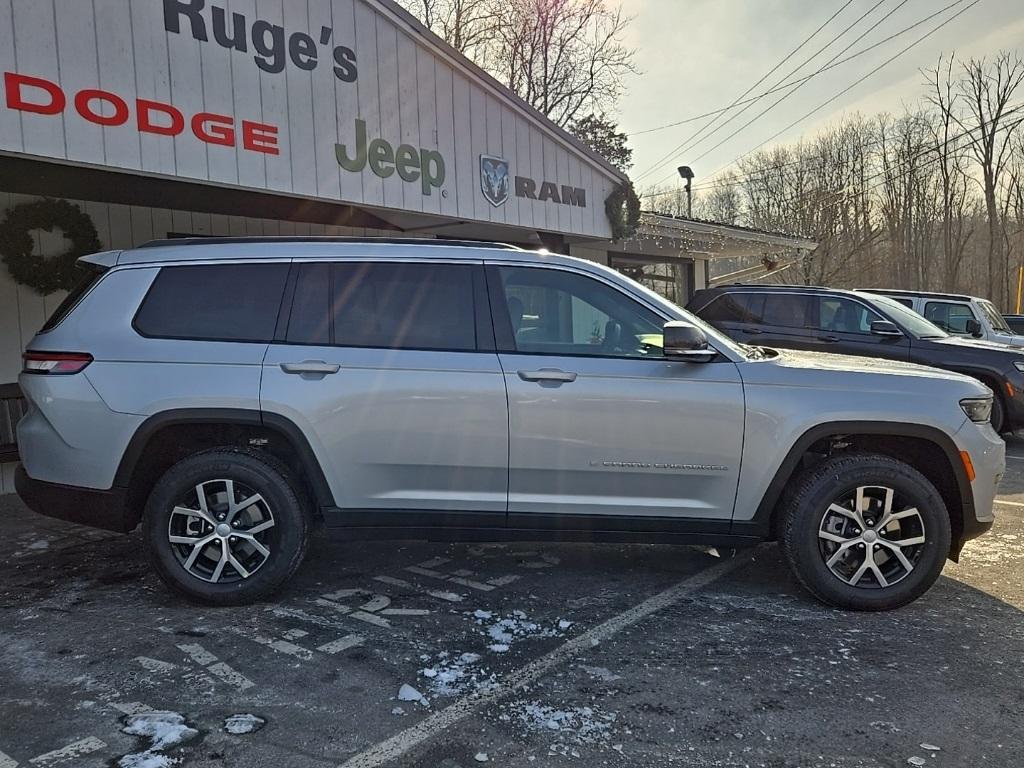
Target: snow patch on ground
577	725
245	723
504	631
456	674
164	730
408	693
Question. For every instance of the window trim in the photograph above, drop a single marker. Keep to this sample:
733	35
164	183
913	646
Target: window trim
482	329
504	339
209	263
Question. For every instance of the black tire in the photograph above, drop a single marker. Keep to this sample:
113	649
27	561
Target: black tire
998	417
808	516
280	501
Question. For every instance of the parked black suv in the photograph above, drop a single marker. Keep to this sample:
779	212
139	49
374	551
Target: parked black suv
865	324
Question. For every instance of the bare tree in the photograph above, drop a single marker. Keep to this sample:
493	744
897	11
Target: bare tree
466	25
951	163
987	89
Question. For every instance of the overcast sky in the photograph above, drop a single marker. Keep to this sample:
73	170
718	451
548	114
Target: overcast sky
699	55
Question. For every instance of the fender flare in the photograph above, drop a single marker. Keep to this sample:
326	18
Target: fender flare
241	416
762	520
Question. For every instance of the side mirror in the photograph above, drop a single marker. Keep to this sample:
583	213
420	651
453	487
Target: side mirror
682	341
973	327
885	328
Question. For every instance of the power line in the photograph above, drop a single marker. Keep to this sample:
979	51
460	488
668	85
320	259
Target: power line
845	90
783	86
766	75
785	96
694	139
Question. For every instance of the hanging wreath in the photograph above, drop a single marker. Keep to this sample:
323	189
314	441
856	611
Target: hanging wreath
55	273
622	207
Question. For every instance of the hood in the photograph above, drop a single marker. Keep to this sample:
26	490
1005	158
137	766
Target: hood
823	361
992	346
1011	339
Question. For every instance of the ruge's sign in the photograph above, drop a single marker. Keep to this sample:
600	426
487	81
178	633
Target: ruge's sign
338	100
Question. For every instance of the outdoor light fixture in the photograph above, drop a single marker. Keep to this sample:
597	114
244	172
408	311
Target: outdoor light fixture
686	174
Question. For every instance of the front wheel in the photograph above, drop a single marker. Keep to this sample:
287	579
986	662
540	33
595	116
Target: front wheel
865	532
225	527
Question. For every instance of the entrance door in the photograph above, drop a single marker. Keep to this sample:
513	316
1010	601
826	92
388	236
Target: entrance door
601	425
386	367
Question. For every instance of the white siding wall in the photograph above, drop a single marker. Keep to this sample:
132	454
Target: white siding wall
407	91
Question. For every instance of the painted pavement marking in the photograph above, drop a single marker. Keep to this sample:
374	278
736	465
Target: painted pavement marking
214	666
7	762
341	644
404	741
75	749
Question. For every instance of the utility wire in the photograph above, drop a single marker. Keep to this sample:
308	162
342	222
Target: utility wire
695	138
844	91
764	77
788	83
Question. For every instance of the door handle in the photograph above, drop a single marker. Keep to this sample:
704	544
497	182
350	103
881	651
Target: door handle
547	374
829	339
311	366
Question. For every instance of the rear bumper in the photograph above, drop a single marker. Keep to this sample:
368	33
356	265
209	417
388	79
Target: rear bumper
85	506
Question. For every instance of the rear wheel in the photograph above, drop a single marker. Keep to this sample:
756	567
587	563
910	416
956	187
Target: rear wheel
225	527
865	532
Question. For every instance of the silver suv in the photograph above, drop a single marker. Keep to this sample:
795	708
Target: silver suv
229	393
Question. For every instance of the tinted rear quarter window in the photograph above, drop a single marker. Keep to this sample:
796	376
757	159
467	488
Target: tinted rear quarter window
214	302
384	305
735	308
89	275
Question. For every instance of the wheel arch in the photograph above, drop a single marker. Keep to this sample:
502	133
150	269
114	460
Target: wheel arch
890	438
272	432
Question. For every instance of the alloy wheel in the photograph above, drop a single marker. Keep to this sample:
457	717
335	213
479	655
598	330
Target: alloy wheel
221	531
871	538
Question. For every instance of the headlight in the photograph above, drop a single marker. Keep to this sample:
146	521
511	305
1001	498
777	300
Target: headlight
978	410
1019	365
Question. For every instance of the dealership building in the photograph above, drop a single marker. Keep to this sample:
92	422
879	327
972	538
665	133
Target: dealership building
168	118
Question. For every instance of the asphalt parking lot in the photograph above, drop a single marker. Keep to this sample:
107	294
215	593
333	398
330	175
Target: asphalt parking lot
438	655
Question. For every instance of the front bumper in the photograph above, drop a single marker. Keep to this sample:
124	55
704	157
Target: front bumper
988	456
86	506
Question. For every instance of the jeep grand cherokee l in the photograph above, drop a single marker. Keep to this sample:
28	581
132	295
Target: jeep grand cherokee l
228	393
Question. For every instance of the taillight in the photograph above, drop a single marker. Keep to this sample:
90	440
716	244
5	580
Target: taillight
55	362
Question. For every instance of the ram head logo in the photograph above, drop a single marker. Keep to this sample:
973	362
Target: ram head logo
494	179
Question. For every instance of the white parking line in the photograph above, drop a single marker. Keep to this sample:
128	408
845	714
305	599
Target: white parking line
403	742
1010	503
78	748
341	644
1018	458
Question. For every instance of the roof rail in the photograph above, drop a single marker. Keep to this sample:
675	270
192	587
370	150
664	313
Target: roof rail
176	241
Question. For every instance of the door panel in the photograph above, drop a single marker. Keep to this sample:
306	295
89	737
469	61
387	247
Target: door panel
395	425
600	424
624	437
399	429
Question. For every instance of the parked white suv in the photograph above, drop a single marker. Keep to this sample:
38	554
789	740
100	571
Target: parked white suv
958	314
227	393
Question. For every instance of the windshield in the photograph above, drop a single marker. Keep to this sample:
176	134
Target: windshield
905	317
997	320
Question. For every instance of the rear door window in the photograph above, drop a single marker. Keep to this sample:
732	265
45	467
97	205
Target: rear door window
214	302
88	276
384	305
787	310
